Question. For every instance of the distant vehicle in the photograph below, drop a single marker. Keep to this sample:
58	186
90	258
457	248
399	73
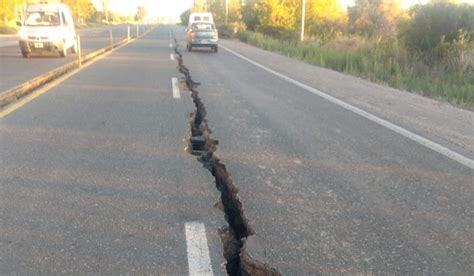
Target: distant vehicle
202	34
47	28
196	17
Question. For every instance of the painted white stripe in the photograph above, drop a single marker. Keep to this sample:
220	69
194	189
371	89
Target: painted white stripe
415	137
171	45
199	262
171	56
174	83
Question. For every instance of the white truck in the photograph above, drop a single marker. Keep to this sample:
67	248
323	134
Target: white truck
47	28
198	17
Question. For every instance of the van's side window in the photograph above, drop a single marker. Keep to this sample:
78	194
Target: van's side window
63	18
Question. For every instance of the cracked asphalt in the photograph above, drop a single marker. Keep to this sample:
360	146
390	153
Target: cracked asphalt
94	176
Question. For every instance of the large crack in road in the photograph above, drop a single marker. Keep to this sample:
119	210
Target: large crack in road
234	235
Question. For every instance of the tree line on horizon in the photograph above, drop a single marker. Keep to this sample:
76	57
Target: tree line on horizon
81	10
421	27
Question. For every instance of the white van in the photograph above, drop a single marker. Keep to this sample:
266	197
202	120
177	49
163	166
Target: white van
198	17
47	28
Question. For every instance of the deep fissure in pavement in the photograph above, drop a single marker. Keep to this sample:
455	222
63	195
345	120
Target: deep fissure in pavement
235	234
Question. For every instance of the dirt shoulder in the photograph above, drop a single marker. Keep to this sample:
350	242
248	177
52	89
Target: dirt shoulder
440	122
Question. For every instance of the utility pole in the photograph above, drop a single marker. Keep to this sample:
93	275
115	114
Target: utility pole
105	7
303	10
226	11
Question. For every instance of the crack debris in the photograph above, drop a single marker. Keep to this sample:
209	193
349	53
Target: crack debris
234	235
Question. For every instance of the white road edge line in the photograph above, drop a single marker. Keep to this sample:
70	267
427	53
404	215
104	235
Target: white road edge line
408	134
174	83
171	56
199	261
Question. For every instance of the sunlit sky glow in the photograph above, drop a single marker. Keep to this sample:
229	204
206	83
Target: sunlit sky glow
154	8
173	8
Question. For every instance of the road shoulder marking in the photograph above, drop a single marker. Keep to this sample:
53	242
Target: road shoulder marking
408	134
199	261
174	84
171	56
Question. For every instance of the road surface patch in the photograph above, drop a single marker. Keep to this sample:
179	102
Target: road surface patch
16	97
408	134
7	43
8	109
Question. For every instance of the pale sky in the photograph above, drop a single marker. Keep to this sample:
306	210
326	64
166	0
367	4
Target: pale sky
154	8
173	8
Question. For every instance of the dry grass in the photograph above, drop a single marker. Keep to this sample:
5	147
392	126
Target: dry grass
384	61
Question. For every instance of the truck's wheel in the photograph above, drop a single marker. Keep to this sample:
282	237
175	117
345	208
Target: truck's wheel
215	49
63	50
74	48
25	54
189	47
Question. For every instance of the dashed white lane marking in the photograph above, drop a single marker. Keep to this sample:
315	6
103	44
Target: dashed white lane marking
171	45
199	261
408	134
174	84
171	56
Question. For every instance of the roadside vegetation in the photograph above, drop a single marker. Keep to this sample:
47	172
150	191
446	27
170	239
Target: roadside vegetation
427	49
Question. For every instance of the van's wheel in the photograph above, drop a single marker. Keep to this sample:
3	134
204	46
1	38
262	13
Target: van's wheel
63	50
189	47
74	48
25	54
215	49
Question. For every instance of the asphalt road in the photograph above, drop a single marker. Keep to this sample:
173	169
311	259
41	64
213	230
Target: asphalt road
8	40
15	69
95	177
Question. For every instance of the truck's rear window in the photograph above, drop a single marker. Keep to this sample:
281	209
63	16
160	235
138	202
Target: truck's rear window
203	27
41	18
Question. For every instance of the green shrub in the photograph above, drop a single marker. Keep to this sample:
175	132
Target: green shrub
436	23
